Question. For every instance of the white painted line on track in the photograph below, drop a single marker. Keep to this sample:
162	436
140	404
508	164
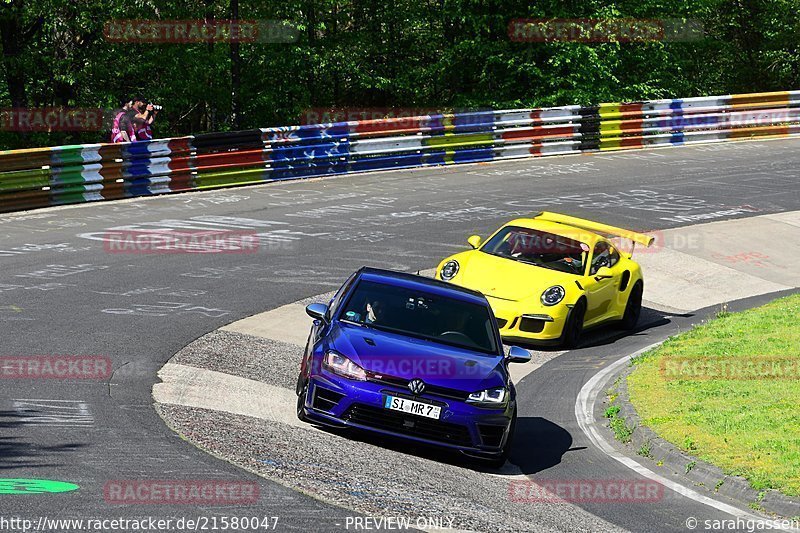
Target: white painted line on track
584	413
191	386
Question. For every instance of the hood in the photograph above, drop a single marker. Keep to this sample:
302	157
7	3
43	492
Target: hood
400	356
508	279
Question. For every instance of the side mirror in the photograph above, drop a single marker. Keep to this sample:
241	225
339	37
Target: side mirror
604	273
474	241
519	355
317	311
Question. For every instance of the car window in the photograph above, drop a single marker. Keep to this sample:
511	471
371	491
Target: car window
423	315
538	248
337	298
604	255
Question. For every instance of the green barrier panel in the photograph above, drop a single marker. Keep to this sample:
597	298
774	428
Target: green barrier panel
222	179
68	155
24	179
71	176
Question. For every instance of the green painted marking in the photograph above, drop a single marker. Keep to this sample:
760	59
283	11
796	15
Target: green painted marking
34	486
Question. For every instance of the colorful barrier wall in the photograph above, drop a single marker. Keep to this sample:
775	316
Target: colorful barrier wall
91	172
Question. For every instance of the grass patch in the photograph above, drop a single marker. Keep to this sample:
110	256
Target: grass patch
645	450
748	427
622	431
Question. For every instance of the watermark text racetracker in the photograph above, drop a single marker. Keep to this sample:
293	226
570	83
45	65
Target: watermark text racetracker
203	234
180	241
47	119
600	30
124	241
200	31
180	492
586	491
147	523
55	367
739	368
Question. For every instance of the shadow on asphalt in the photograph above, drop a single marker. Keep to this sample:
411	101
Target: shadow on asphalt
16	453
539	444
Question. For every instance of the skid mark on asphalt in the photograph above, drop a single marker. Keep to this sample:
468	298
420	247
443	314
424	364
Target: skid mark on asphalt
46	412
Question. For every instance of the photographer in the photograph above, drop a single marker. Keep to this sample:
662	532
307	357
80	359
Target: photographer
145	116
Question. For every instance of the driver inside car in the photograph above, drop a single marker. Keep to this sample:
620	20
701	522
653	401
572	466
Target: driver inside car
373	312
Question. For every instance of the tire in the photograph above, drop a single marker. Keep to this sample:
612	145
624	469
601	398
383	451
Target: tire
633	309
499	461
573	329
301	403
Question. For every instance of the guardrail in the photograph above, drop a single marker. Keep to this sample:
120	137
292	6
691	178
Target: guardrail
91	172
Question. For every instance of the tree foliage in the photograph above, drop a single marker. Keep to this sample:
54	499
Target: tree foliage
442	54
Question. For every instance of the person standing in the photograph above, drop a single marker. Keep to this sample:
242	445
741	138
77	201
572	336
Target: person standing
122	128
145	116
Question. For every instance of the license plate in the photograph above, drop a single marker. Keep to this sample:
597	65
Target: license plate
412	407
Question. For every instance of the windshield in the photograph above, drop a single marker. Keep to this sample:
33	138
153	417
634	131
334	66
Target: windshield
539	248
422	315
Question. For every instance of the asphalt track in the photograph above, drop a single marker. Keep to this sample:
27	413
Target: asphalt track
62	292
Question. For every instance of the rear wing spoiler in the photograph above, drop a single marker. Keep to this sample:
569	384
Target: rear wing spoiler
596	227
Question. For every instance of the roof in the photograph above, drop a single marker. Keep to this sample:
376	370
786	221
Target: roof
417	282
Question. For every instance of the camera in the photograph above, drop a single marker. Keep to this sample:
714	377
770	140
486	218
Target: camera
157	107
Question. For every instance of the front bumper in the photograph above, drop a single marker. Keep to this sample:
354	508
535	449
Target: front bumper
538	324
342	402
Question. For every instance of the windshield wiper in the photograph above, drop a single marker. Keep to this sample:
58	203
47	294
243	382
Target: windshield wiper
527	262
359	324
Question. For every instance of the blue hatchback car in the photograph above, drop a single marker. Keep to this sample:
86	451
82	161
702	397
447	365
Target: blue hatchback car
413	358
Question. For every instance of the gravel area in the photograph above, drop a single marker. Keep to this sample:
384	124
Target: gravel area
238	354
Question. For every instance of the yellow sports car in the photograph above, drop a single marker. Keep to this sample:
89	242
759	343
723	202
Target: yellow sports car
551	276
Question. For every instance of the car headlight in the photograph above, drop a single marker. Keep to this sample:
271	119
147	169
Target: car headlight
496	396
449	270
341	365
553	295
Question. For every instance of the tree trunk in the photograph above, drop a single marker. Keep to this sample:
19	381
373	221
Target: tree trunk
311	35
210	107
13	63
236	69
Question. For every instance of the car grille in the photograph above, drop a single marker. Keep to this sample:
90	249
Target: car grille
415	426
325	400
430	390
501	322
491	435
